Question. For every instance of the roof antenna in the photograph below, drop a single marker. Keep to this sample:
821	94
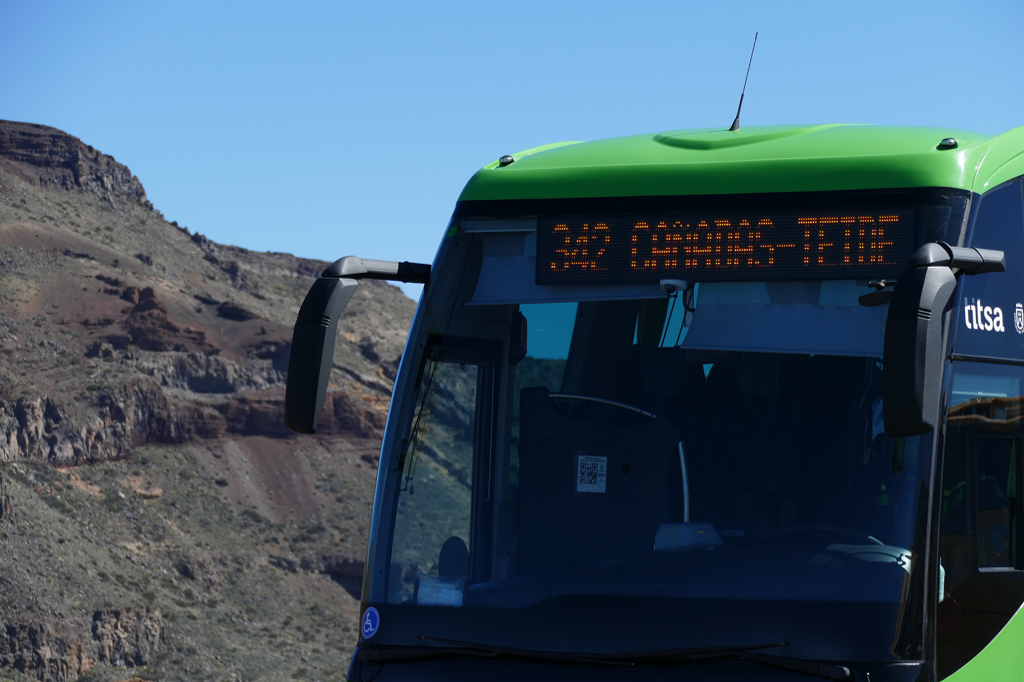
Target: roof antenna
736	122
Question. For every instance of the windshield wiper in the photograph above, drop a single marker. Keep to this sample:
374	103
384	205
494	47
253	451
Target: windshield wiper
699	654
713	654
400	653
456	647
631	658
828	671
529	655
742	652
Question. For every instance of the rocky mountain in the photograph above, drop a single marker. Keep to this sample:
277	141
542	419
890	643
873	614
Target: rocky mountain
157	520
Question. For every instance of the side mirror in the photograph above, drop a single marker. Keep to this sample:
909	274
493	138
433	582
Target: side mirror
316	327
914	333
312	351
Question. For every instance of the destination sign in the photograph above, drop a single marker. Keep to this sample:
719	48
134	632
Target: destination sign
724	246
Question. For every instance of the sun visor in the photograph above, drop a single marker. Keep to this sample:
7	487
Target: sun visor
510	279
787	317
508	271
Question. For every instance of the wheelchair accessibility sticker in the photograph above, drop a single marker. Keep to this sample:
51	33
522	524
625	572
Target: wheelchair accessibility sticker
371	621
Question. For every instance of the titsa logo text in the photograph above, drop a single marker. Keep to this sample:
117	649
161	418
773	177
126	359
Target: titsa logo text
978	316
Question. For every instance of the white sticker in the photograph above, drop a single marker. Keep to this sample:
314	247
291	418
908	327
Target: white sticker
591	473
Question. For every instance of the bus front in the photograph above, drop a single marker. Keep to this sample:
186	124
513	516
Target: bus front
638	427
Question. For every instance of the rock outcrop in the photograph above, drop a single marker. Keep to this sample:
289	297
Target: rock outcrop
61	160
64	647
6	510
140	413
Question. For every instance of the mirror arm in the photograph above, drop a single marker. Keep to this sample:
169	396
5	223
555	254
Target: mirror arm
969	261
352	267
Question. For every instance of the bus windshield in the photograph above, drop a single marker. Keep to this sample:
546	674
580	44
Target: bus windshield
702	469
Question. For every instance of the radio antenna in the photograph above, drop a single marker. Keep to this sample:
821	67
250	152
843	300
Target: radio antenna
736	122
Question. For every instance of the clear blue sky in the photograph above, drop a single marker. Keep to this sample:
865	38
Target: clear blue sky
325	129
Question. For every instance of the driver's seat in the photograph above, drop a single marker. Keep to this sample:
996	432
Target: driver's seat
563	516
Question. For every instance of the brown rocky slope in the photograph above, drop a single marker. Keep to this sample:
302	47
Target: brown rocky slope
155	513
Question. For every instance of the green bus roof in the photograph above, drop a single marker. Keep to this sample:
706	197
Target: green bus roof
755	159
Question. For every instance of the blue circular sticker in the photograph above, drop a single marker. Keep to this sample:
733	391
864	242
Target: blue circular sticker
371	621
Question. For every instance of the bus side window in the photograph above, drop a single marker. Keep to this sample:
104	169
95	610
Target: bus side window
981	543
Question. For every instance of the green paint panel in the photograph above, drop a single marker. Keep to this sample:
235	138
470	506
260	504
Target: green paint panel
534	150
1003	160
756	159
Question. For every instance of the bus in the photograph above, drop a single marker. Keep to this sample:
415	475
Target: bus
704	405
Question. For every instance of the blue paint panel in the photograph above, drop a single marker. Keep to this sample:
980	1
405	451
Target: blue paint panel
990	314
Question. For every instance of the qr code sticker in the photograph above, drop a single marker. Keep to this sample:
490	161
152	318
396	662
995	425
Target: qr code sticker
591	473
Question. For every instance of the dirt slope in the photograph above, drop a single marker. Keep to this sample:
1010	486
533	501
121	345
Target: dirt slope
155	513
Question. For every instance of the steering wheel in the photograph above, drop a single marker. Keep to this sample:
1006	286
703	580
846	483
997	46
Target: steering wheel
819	532
603	401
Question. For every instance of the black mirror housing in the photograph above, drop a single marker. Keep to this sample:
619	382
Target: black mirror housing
915	333
312	351
913	350
316	328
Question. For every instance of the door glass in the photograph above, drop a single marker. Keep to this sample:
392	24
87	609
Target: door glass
430	554
996	460
980	540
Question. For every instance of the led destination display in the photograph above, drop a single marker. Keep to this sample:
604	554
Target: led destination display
720	246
